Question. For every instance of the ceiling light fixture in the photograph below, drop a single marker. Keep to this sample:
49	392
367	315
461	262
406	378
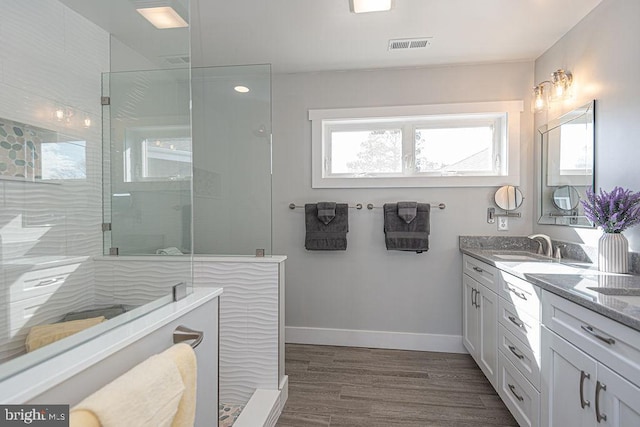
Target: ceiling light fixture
241	89
560	86
364	6
162	14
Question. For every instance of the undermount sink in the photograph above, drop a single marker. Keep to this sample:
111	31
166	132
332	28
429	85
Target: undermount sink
627	292
630	296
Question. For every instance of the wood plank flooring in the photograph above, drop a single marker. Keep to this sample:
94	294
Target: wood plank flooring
354	387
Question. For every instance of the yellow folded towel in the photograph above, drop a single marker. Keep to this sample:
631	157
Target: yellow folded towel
148	395
185	359
41	335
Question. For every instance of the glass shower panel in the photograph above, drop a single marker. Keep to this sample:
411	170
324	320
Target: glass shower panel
232	159
148	196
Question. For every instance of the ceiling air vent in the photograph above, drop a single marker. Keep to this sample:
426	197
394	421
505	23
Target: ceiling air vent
177	59
401	44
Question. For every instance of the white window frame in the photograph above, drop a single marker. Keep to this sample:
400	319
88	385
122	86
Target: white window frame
323	121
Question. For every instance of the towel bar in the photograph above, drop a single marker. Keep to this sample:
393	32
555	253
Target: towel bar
294	206
440	206
182	333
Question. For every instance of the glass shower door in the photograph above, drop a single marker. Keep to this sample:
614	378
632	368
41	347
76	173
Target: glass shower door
148	166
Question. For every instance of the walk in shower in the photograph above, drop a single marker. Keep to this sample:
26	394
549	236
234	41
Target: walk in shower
164	177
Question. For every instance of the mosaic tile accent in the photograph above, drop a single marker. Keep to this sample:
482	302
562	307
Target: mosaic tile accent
20	150
228	414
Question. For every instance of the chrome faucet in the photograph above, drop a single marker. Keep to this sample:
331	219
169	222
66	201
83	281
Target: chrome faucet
543	237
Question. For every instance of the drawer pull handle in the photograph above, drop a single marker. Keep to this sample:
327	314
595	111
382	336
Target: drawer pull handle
599	416
516	322
513	391
47	282
515	353
583	402
478	269
590	331
520	295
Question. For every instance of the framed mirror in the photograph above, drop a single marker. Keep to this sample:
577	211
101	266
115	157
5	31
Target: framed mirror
567	167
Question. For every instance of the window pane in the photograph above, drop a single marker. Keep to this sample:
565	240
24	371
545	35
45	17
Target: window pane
167	158
64	160
454	149
358	152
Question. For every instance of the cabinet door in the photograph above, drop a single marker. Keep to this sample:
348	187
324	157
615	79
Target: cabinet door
569	382
616	400
488	340
470	332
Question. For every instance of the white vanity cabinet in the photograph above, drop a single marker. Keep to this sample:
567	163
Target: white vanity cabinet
553	363
480	312
590	366
519	348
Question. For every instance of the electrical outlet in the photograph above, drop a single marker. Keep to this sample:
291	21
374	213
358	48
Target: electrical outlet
503	223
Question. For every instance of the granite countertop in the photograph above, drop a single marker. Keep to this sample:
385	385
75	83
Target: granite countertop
619	296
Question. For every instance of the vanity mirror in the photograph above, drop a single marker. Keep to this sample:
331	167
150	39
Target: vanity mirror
508	198
567	167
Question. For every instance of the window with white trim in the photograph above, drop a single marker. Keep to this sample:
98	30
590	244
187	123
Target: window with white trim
449	145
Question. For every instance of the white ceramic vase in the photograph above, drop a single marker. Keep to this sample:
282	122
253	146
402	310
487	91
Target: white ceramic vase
613	253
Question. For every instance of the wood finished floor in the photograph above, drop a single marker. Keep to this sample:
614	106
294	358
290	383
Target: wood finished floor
358	387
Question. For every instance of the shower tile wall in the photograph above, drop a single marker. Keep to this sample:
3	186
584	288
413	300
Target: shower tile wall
50	59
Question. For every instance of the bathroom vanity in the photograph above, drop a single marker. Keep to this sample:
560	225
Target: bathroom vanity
559	342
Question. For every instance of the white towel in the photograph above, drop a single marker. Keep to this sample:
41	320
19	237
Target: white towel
146	396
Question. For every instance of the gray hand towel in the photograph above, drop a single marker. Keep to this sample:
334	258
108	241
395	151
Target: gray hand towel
326	211
402	236
407	211
326	237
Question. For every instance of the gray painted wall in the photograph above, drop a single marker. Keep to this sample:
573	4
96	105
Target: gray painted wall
602	53
368	287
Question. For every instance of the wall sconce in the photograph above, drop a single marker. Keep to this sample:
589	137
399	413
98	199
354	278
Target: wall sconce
64	114
59	114
559	88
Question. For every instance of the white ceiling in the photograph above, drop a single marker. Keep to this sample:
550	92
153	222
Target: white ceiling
315	35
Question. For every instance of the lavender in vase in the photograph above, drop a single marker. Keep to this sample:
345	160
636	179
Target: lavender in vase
614	212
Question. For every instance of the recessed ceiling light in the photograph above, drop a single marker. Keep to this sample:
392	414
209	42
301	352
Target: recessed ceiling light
241	89
363	6
163	17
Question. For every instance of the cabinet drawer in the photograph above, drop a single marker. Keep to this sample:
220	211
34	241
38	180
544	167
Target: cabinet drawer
521	356
485	274
522	294
614	344
522	399
34	283
43	309
521	325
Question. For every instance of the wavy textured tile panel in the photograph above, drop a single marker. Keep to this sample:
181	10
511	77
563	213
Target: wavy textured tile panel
248	325
138	282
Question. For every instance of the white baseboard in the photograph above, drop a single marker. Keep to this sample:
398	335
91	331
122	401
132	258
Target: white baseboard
375	339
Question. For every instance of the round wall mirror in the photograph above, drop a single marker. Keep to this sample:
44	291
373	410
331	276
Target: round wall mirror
508	198
566	198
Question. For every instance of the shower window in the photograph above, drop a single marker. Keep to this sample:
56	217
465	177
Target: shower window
157	154
64	160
